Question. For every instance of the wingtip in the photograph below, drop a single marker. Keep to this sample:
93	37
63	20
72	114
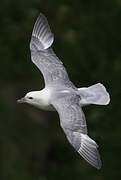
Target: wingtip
89	151
42	37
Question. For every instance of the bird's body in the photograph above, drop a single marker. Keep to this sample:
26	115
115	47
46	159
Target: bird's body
44	97
61	95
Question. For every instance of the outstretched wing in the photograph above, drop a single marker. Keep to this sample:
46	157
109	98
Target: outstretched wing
73	122
43	56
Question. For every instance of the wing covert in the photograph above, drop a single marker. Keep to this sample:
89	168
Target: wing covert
71	115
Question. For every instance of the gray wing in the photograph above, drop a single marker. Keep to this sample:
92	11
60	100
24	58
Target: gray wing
71	115
73	122
43	56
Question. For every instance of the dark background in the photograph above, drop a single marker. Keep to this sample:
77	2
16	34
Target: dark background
88	41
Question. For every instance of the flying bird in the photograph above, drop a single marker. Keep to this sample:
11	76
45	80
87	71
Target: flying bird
61	95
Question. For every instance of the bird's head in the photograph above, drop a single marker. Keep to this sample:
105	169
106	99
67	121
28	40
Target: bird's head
39	99
30	98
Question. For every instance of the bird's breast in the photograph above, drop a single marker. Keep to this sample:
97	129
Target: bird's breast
44	100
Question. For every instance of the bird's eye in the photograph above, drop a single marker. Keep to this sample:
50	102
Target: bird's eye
30	97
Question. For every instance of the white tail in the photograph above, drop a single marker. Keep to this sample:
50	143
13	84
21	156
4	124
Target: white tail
89	152
95	94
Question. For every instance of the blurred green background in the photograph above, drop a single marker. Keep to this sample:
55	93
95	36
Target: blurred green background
88	41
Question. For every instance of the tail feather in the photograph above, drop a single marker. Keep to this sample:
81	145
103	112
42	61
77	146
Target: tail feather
95	94
89	151
42	37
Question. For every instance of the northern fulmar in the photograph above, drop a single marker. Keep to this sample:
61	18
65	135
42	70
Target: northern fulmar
61	95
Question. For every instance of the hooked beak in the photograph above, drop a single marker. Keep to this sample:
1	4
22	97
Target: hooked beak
22	100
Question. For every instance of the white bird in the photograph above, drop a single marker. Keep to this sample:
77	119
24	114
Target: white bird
60	93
